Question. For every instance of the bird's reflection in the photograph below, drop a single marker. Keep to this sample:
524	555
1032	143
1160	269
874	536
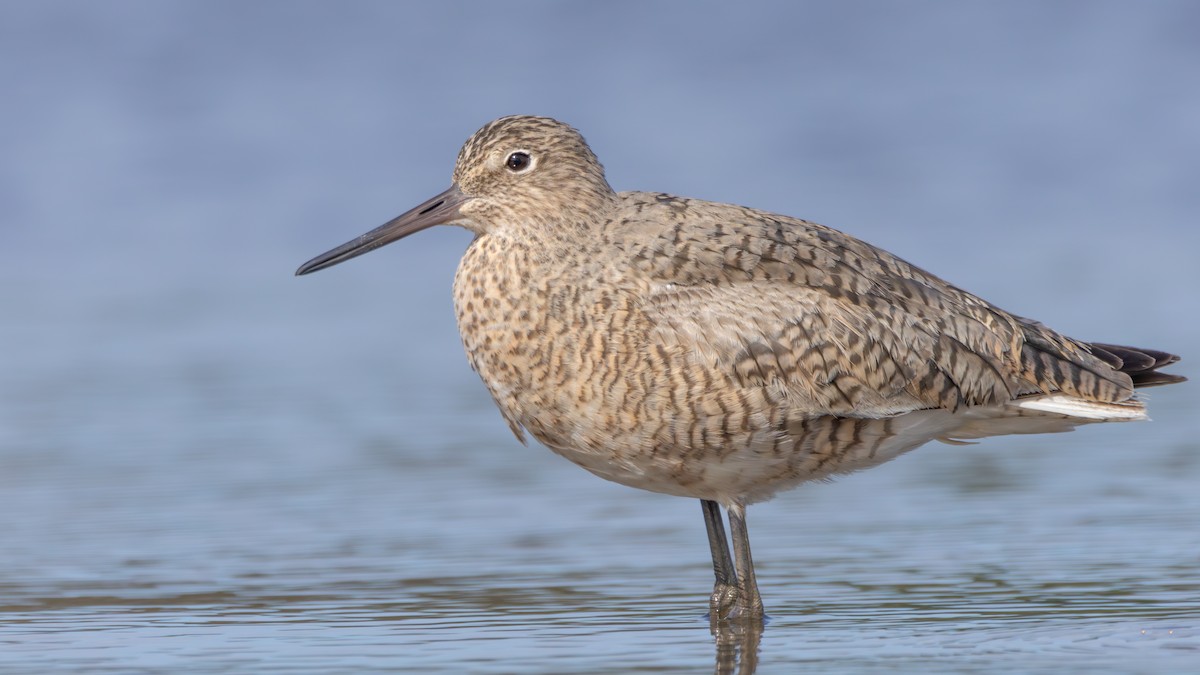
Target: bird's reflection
737	645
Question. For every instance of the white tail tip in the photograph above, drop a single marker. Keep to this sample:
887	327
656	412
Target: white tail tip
1130	410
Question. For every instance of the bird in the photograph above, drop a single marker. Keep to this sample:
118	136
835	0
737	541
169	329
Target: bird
724	353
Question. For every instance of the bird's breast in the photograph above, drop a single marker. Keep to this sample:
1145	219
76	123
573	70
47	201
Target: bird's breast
569	353
539	335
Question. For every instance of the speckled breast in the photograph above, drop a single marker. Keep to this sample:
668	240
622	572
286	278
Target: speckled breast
569	355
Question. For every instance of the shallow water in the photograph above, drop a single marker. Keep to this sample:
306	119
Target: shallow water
207	465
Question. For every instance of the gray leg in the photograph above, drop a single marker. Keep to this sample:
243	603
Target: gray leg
750	605
725	590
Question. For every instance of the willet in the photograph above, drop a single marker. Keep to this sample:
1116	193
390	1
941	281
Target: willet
724	353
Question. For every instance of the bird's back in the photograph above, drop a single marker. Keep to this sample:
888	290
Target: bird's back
785	302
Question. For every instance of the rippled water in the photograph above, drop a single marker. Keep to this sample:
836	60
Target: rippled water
207	465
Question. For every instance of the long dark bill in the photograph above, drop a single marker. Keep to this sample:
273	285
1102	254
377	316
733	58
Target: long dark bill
437	211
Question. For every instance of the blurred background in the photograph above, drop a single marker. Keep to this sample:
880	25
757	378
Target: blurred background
189	436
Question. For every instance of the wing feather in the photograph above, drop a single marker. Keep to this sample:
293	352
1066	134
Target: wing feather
838	325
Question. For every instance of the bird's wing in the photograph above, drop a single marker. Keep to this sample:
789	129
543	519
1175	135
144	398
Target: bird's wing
839	325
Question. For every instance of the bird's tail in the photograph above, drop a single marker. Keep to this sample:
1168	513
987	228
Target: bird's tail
1040	412
1141	365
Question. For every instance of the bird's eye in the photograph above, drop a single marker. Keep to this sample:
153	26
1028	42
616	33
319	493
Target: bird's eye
518	162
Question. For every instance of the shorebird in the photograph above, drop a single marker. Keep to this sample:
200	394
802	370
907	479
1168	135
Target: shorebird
724	353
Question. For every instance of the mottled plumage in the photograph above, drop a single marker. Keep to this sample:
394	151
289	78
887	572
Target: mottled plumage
723	353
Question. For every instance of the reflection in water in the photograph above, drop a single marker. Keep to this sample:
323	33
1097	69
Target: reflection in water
329	621
737	646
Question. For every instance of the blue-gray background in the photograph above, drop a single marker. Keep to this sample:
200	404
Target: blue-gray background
189	435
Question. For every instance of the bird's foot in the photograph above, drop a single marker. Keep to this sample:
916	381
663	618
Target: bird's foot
724	600
730	603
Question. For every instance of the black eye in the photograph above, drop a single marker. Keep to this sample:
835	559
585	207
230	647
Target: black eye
518	162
